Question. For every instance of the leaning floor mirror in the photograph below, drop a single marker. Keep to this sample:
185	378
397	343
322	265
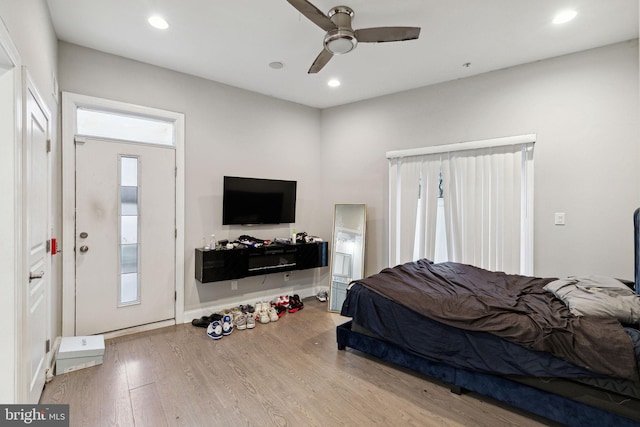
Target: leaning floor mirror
347	253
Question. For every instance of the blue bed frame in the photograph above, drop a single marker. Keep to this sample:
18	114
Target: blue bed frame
545	404
551	406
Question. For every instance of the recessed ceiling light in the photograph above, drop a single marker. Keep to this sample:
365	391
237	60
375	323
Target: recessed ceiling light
276	65
158	22
333	83
564	16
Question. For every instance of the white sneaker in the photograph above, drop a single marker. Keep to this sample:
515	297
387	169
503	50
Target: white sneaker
273	314
251	321
264	316
322	296
240	322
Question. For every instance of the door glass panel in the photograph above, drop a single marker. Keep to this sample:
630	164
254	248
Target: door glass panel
129	289
129	201
129	230
129	172
107	124
129	259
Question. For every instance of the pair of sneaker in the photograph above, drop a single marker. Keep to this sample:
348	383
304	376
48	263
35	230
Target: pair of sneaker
220	328
250	315
295	304
245	321
281	301
322	296
242	318
265	313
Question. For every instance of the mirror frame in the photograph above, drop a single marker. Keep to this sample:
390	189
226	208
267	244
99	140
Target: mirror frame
333	258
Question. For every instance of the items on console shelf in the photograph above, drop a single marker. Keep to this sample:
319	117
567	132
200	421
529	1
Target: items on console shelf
250	241
305	238
301	237
246	241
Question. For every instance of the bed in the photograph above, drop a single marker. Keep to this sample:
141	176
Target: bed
520	340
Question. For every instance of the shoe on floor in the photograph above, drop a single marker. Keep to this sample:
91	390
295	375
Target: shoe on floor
251	321
258	309
282	300
240	322
295	304
281	310
273	314
264	316
227	324
204	321
322	296
214	330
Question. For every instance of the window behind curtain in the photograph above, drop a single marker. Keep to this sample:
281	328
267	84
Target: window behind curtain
482	190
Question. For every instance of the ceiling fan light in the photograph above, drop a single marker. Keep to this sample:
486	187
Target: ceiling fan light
340	46
340	42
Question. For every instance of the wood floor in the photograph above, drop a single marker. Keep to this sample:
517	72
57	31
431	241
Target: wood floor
287	373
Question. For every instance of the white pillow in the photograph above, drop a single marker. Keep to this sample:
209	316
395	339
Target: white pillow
597	296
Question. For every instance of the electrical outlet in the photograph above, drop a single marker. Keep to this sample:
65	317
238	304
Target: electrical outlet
286	276
234	285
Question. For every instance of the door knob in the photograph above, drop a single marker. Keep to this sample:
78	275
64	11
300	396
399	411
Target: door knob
84	248
35	276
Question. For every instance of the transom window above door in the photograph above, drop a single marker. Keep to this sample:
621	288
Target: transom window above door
124	127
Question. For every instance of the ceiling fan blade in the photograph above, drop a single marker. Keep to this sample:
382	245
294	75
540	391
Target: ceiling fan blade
314	14
386	34
320	61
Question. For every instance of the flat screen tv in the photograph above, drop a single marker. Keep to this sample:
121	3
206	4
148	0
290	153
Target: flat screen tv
258	201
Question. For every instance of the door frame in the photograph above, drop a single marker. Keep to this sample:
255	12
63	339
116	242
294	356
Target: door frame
70	103
12	273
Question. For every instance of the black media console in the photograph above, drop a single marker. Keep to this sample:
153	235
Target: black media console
231	264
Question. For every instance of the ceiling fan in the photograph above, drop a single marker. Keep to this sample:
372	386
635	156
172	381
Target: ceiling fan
341	37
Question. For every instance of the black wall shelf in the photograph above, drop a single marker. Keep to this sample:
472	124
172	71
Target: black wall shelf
231	264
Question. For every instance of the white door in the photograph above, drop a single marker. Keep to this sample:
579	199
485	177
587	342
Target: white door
36	295
125	235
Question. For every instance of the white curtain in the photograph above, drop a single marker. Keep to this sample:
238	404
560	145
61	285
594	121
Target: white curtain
429	191
413	194
488	194
488	203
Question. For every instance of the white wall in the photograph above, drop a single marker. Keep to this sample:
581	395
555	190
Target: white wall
229	131
584	109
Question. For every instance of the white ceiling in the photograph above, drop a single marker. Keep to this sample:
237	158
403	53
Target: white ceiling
233	41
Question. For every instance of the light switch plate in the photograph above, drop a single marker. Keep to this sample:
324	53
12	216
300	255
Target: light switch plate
559	218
